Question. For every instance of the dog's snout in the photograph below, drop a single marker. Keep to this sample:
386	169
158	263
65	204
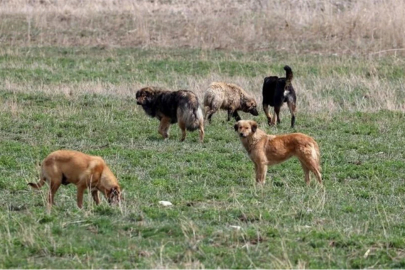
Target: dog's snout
254	112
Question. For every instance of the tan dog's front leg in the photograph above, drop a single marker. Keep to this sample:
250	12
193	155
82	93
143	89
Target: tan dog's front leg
261	171
80	192
95	196
54	187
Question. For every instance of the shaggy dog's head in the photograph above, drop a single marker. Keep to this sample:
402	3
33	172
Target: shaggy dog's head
144	95
245	128
249	105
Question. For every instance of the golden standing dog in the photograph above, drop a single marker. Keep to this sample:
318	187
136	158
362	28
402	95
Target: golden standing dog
264	150
85	171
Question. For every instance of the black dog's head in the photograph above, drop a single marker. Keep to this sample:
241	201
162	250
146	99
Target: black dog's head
144	95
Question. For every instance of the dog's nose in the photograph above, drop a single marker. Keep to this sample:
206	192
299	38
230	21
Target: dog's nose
241	134
255	112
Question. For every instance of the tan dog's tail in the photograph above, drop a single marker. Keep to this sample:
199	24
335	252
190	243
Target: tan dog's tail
39	184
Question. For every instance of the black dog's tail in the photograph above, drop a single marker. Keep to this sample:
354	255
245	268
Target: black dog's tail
288	73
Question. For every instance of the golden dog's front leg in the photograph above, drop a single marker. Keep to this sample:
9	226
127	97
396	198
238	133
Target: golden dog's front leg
261	171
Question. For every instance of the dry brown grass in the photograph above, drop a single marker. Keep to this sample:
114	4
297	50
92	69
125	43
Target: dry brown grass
343	27
315	95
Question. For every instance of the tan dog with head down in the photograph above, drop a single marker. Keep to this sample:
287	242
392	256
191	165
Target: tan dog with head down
264	150
85	171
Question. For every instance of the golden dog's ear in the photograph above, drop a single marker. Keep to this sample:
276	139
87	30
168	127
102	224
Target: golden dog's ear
236	126
253	126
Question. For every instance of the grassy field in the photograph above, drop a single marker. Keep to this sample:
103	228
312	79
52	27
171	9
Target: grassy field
83	99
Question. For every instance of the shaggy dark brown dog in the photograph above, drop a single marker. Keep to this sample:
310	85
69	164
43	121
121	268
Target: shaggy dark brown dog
265	149
230	97
171	107
276	91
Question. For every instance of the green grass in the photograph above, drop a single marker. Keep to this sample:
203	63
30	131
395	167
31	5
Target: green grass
356	221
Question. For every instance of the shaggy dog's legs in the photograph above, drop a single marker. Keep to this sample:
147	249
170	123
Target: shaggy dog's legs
232	112
164	127
182	126
201	132
236	116
209	112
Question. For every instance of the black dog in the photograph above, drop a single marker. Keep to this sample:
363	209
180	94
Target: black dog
171	107
276	91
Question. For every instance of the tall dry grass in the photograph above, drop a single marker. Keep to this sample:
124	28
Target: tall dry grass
321	26
315	94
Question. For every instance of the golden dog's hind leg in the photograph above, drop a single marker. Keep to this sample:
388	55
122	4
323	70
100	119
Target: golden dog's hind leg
261	171
311	165
318	175
306	172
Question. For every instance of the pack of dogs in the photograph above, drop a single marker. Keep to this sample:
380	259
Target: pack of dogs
91	173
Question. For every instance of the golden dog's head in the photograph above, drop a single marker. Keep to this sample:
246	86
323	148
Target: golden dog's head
114	195
245	128
144	95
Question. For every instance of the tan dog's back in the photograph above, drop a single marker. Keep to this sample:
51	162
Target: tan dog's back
85	171
74	165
